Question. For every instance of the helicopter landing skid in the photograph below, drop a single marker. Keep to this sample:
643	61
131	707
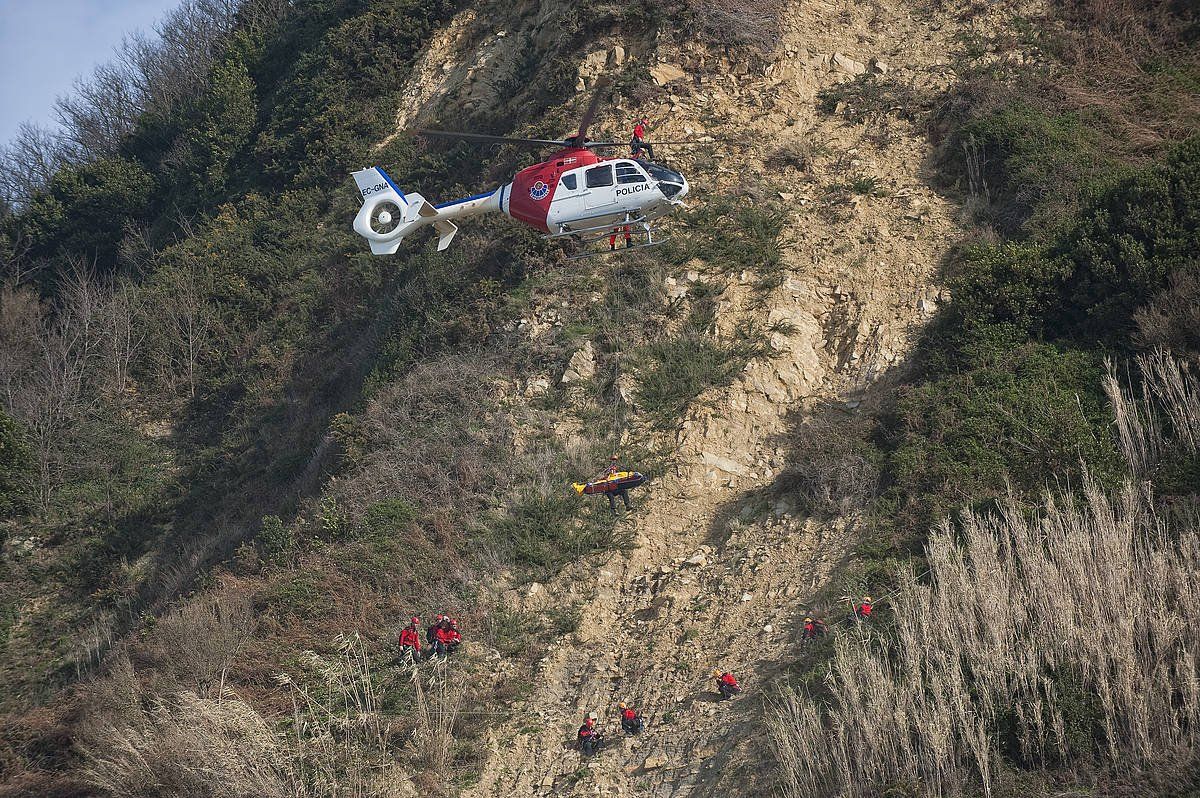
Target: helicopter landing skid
618	250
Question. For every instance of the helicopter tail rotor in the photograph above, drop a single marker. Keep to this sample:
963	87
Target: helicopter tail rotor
388	215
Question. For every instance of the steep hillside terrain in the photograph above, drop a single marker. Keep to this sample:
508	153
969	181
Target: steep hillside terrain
239	451
722	574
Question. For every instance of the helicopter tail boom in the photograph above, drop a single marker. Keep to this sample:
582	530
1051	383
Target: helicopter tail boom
388	215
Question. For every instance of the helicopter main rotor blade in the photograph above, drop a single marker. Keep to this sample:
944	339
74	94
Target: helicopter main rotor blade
696	142
581	136
486	139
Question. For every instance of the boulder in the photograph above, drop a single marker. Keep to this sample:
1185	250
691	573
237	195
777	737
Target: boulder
846	65
665	73
616	56
655	761
582	365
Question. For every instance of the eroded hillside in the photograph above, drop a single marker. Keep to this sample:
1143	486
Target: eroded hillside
305	445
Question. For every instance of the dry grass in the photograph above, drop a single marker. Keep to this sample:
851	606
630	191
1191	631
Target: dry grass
199	641
831	469
1118	52
182	745
1060	635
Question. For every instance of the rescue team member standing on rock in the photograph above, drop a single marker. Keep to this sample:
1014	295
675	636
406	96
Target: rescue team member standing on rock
727	684
410	641
638	143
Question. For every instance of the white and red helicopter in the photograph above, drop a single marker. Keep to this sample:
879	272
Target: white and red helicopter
572	194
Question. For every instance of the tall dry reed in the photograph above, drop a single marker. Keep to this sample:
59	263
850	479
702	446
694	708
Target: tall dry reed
1061	635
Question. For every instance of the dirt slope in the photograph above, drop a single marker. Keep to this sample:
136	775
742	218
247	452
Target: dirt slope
704	587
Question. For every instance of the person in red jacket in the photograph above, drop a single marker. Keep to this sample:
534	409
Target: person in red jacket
589	737
727	684
863	610
813	628
614	466
410	641
638	142
446	638
631	719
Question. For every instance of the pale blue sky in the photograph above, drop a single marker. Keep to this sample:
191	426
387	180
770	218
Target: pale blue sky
46	44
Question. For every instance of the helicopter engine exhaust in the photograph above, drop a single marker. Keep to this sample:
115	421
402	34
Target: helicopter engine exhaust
388	215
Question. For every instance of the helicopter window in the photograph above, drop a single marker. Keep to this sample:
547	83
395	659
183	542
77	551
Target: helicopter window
570	182
663	173
600	176
628	173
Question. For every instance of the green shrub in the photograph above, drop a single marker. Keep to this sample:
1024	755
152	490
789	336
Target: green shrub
1125	248
276	540
1021	416
388	517
544	532
680	369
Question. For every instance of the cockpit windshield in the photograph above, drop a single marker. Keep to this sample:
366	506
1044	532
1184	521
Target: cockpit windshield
663	173
670	182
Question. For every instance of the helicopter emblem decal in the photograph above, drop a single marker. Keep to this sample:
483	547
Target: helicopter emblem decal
539	190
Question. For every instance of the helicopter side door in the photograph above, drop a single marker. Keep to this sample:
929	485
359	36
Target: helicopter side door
601	188
634	188
568	202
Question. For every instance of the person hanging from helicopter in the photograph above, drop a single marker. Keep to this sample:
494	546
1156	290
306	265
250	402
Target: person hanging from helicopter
612	483
613	468
638	143
612	239
410	641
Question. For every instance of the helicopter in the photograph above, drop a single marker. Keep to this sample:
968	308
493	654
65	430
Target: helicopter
573	194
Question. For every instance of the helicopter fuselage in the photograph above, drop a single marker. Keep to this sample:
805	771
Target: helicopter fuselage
573	192
577	190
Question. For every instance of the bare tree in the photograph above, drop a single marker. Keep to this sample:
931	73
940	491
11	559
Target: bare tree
186	317
28	162
123	336
202	639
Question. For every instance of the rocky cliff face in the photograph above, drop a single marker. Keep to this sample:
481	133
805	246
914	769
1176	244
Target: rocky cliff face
720	575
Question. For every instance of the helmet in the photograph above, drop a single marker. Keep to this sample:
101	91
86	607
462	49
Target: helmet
716	672
440	616
415	619
614	456
621	705
867	599
808	620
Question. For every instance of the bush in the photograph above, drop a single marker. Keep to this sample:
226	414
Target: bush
680	369
276	540
1019	417
831	469
547	531
1089	283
